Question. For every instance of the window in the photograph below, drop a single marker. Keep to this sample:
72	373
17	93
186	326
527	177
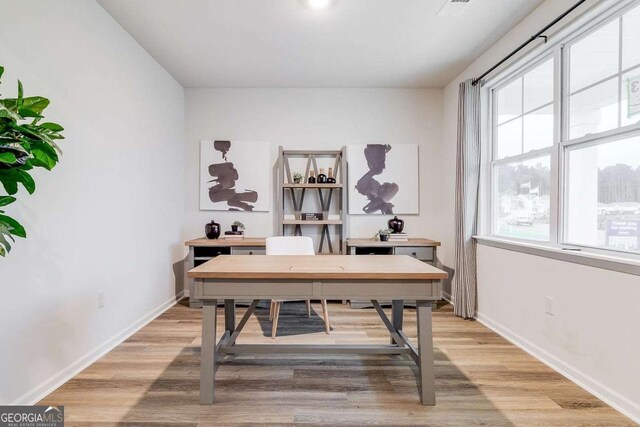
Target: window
604	194
524	124
565	163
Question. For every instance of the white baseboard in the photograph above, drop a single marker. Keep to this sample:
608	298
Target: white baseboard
47	387
617	401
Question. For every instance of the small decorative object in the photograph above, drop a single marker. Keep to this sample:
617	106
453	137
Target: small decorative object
322	178
237	225
330	178
297	178
310	216
212	230
396	224
312	178
383	179
383	234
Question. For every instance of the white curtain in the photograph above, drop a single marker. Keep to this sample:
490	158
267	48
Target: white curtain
467	187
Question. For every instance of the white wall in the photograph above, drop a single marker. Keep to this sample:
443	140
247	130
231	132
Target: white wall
315	119
109	216
591	338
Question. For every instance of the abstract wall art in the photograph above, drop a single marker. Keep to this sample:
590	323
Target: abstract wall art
234	176
383	179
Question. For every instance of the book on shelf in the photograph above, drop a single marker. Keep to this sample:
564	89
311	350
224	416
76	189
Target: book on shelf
312	216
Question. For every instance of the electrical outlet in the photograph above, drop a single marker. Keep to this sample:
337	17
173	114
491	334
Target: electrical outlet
548	305
100	299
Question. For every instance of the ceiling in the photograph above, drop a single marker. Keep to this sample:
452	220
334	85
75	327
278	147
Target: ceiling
280	43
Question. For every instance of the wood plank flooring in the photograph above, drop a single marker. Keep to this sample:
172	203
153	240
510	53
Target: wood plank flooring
481	379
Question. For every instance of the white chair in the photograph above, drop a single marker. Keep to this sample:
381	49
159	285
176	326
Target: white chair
291	245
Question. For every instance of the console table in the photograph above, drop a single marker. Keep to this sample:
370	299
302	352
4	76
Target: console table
423	249
202	250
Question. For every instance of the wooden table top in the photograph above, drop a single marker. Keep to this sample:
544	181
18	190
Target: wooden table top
377	243
367	267
247	241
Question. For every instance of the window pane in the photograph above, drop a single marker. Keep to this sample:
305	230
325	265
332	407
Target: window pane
631	98
631	38
538	86
538	129
509	100
522	204
594	110
595	57
510	139
604	195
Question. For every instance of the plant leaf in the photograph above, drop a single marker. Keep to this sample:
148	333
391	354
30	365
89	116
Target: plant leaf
4	241
8	181
11	177
20	94
27	181
1	71
35	103
14	226
42	159
6	112
52	127
26	112
8	158
6	200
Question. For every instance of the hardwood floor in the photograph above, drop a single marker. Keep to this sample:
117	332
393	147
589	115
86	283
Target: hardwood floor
481	379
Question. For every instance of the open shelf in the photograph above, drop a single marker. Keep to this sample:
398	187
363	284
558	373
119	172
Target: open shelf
310	222
325	196
311	185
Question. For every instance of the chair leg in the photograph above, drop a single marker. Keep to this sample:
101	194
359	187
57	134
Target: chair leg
271	311
325	314
308	308
276	315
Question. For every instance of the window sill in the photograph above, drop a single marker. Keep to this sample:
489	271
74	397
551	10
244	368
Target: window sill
607	262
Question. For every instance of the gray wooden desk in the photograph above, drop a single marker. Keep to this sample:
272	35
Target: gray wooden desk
395	277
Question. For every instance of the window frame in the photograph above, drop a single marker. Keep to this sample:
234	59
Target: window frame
494	162
559	50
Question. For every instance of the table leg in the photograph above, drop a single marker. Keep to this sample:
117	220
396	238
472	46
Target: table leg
207	352
425	348
397	308
229	315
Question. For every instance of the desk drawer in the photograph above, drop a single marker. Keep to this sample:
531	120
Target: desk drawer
210	251
420	252
247	250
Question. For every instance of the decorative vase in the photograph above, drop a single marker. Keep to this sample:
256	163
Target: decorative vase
212	230
396	224
234	228
384	237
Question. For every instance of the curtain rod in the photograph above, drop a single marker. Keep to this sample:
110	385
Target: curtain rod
536	36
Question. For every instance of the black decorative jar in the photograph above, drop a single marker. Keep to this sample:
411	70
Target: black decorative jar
396	224
212	230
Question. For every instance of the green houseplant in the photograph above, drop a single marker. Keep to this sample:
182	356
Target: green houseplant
237	225
25	143
382	234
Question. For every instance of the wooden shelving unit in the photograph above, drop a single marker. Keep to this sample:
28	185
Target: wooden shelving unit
330	199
